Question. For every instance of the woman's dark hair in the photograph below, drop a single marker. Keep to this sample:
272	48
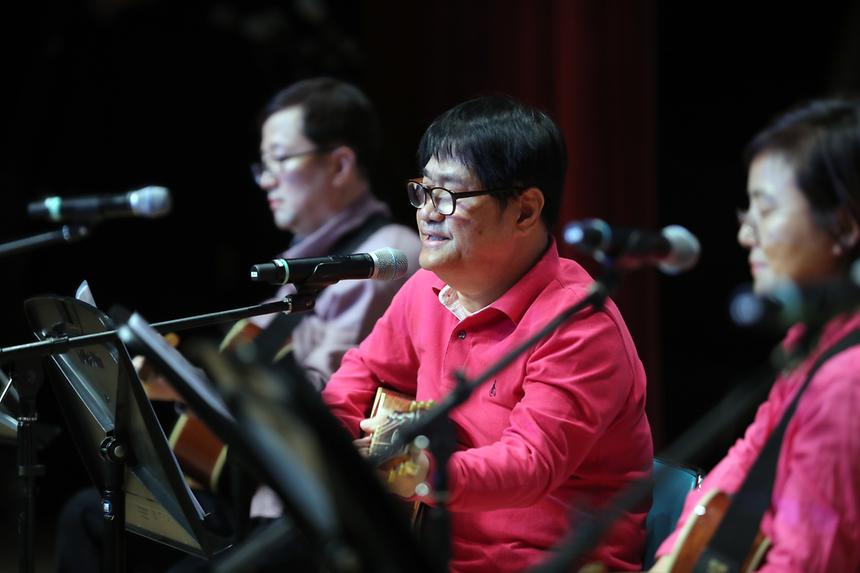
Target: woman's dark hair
334	113
821	141
506	144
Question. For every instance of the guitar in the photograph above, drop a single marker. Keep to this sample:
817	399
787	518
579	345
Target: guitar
697	533
200	453
398	409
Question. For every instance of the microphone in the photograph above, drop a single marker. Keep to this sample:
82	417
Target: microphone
674	249
788	303
148	202
384	264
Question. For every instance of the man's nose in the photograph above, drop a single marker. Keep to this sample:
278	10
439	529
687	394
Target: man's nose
747	234
429	212
267	180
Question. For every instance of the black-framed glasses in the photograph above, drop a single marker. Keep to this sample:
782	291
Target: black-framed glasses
275	165
445	200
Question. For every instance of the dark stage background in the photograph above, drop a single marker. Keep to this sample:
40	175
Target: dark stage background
656	102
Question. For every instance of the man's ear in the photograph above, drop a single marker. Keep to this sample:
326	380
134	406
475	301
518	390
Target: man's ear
847	230
530	204
344	163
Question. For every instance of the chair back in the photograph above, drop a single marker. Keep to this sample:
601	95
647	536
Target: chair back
672	483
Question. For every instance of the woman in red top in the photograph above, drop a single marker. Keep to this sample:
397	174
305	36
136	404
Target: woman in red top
802	226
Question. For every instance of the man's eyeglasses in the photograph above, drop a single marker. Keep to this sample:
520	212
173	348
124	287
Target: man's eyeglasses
275	165
445	200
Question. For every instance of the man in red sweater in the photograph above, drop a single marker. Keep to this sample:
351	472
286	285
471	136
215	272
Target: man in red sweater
562	426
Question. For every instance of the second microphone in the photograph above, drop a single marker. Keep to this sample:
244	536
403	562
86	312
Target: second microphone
673	250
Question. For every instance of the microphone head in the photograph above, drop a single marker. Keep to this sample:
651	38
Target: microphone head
151	202
684	253
782	306
389	264
747	309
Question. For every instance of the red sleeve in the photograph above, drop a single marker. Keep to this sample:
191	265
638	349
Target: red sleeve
385	357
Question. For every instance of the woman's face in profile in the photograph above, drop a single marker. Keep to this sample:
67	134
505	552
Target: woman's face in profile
780	231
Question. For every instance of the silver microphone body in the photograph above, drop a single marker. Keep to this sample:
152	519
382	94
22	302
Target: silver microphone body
382	264
673	250
149	202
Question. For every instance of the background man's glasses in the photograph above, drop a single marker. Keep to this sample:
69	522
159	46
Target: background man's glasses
275	165
445	200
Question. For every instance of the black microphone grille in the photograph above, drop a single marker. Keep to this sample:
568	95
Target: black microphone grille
389	264
588	235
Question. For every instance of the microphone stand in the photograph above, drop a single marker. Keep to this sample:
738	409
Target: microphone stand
28	379
299	302
28	383
66	234
437	424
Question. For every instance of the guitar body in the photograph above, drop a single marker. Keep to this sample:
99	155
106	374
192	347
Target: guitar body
200	453
699	529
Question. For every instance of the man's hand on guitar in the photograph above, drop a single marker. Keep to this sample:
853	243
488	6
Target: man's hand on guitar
404	479
367	426
407	474
363	446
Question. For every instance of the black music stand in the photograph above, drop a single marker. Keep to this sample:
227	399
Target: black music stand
291	441
118	436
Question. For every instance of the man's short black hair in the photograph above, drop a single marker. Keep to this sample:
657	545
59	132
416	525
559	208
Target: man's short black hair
334	113
506	144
